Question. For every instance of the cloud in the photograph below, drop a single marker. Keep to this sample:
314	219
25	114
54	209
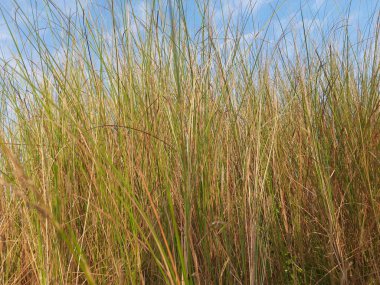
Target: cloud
318	4
69	7
4	34
234	8
5	41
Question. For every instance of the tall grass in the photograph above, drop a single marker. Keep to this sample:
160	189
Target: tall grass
146	154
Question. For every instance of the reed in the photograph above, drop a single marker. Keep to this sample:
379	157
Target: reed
147	154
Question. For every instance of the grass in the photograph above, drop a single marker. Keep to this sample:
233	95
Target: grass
150	155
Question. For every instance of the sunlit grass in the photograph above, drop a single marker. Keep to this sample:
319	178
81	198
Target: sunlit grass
145	154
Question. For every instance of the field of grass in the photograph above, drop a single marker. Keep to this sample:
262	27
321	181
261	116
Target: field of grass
151	155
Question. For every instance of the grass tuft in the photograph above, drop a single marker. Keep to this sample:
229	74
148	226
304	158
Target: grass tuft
146	153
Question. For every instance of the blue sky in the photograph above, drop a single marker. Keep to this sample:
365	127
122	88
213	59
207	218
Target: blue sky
318	15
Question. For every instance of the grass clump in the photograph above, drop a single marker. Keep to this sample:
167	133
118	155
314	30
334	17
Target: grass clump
145	153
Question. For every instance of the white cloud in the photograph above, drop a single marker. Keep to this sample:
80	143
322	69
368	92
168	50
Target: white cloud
318	4
71	6
4	35
5	40
234	8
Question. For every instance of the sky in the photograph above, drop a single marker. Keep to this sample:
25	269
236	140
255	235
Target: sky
288	15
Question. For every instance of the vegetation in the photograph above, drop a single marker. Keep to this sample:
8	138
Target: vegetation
151	154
